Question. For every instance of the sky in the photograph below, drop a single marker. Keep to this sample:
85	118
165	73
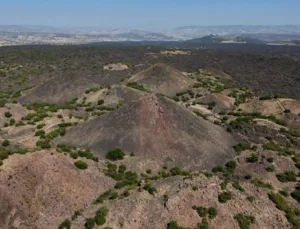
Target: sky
150	14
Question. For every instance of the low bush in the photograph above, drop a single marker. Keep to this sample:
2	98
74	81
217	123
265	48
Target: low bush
282	205
237	186
100	102
5	143
7	114
224	197
136	86
287	176
258	182
173	225
253	158
81	165
100	218
89	223
244	221
270	168
66	224
242	147
231	166
115	154
177	171
296	195
150	189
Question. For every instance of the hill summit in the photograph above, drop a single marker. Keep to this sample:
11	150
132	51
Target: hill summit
163	79
157	128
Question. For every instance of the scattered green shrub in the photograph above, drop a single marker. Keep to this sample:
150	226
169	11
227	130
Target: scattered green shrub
100	102
7	114
173	225
177	171
296	195
150	189
100	218
66	224
237	186
115	154
224	197
270	168
244	221
253	158
5	143
81	165
89	223
258	182
136	86
287	176
218	169
231	166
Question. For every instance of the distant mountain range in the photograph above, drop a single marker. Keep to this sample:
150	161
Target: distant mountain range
18	34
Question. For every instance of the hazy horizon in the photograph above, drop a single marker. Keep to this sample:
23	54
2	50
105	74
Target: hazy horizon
153	15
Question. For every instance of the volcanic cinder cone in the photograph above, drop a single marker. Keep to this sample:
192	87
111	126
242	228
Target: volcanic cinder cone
157	128
164	79
58	90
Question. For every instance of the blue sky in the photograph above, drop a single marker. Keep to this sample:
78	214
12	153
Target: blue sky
150	14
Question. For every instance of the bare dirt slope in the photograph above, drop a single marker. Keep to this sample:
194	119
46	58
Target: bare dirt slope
58	90
175	199
158	128
116	95
164	79
39	190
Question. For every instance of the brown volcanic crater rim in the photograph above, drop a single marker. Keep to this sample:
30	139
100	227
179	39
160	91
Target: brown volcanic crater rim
164	79
158	128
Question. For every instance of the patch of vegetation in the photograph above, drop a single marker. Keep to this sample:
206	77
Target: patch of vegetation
7	114
44	143
238	186
66	224
258	182
94	89
104	196
89	223
242	147
115	155
218	169
81	165
76	214
265	97
100	102
5	143
151	189
231	166
287	176
270	168
224	197
122	177
296	195
244	221
6	152
204	211
253	158
173	225
136	86
178	172
203	225
100	218
282	205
